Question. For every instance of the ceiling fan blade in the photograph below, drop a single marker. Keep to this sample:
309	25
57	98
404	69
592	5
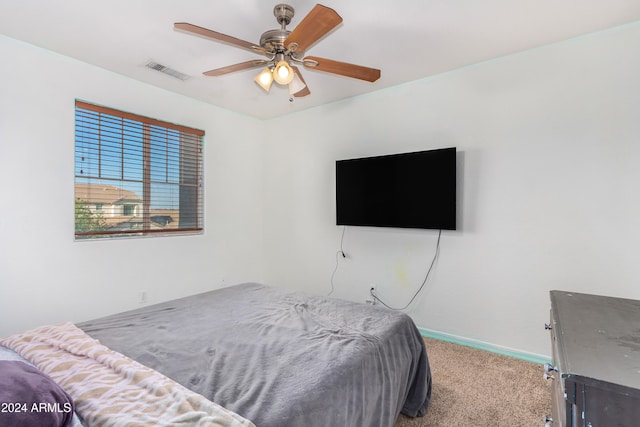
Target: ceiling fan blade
194	29
342	68
313	27
236	67
305	90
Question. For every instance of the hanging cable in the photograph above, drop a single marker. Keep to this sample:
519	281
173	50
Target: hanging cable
426	277
338	254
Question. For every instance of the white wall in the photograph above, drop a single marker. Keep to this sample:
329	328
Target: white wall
548	193
45	276
549	159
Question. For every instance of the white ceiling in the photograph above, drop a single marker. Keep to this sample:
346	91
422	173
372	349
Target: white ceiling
406	39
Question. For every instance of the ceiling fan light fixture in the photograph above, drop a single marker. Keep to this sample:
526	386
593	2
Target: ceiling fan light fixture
282	73
265	79
296	85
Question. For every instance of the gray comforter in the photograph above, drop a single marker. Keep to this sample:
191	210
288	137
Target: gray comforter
281	359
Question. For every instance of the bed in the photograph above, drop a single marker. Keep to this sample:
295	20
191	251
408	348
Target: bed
280	359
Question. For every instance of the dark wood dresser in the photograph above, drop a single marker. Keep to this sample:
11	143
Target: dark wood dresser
596	360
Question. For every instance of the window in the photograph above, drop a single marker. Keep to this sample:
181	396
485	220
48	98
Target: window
127	210
135	175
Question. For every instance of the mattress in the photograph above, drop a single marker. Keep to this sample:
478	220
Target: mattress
281	359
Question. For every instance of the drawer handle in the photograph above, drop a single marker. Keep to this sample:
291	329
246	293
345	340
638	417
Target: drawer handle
548	421
548	326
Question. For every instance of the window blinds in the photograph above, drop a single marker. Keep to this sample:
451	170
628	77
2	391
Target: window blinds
135	175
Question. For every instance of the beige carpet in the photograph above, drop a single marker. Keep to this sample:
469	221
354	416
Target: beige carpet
477	388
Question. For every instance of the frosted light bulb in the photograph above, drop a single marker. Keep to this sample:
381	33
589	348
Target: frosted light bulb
283	73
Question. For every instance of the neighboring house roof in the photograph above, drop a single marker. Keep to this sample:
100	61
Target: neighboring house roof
105	194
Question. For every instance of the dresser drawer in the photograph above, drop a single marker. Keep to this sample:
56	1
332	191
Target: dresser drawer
558	403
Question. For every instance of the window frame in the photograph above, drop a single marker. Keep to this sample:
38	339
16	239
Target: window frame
187	179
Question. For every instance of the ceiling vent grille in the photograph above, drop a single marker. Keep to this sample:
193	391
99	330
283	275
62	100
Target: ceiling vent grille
166	70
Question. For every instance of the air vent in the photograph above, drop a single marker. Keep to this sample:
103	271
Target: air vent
166	70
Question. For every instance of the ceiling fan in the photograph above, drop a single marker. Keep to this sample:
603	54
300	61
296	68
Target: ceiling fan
284	49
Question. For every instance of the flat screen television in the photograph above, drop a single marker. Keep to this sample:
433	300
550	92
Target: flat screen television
408	190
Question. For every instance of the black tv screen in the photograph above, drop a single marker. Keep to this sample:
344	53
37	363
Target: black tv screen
408	190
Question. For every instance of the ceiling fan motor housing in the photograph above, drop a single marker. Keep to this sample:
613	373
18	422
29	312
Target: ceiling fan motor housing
273	40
